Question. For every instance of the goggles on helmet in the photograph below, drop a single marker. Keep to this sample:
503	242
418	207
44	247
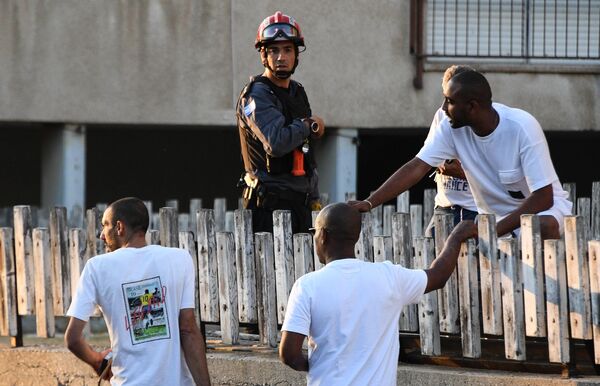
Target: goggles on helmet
280	30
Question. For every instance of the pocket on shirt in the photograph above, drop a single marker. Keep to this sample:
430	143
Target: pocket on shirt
514	182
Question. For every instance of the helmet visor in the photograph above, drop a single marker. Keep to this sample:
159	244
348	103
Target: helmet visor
277	30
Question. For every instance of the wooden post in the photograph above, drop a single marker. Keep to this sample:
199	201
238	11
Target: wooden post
350	196
195	206
284	259
512	300
229	221
377	221
60	260
153	237
318	264
24	260
183	222
416	220
533	276
428	206
364	247
468	289
570	188
9	323
172	203
92	233
595	234
388	211
556	301
227	288
578	278
303	256
382	248
186	241
44	311
76	256
403	255
448	307
429	323
265	282
76	217
168	227
489	271
403	202
594	257
220	208
246	270
207	266
584	209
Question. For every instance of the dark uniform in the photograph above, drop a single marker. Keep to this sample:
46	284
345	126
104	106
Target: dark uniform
271	127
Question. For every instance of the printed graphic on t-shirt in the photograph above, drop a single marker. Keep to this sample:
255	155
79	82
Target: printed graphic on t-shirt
146	318
456	184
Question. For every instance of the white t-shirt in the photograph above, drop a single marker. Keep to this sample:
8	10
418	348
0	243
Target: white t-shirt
450	190
140	292
349	309
502	168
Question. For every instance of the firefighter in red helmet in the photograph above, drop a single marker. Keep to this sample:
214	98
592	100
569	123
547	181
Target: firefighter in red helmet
277	130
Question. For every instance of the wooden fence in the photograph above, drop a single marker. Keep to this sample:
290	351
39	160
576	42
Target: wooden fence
509	289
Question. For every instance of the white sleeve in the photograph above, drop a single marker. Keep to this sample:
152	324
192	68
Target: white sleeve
84	302
535	158
297	313
438	145
411	283
188	300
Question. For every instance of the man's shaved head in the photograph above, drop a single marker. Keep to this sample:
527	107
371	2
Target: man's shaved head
341	221
471	85
453	70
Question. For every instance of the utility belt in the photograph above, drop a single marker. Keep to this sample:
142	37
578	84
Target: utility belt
268	197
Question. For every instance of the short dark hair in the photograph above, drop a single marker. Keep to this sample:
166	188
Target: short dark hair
132	212
473	86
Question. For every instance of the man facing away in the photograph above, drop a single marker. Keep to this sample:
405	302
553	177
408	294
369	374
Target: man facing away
349	309
147	337
277	130
504	155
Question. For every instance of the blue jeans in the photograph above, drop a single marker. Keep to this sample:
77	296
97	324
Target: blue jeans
459	213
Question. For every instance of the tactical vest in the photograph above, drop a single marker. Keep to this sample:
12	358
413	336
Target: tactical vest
253	152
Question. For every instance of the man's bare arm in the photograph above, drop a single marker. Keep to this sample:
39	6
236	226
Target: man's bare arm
443	266
290	351
77	345
404	178
538	201
193	347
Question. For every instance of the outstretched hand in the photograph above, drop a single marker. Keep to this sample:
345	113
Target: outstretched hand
464	230
362	206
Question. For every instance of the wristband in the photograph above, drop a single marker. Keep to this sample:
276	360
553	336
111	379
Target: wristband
312	125
370	204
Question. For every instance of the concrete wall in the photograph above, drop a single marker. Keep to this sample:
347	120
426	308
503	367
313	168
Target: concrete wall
184	61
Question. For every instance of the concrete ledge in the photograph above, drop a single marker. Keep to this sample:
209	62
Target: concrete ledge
53	365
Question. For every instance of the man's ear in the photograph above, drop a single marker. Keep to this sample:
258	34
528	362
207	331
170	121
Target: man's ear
120	228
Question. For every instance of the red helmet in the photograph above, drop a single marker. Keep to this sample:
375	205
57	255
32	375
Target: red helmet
278	27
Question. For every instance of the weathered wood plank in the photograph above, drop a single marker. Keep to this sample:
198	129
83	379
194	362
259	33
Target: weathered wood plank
77	259
382	248
350	196
403	202
556	301
468	290
578	278
416	220
169	233
571	189
429	322
186	241
172	203
44	311
265	284
584	209
8	285
447	304
388	211
183	222
403	255
428	206
318	265
595	221
377	221
24	260
246	270
220	208
229	221
60	260
195	206
489	271
207	266
284	259
227	288
533	276
303	254
512	300
76	217
363	249
153	237
594	257
93	230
